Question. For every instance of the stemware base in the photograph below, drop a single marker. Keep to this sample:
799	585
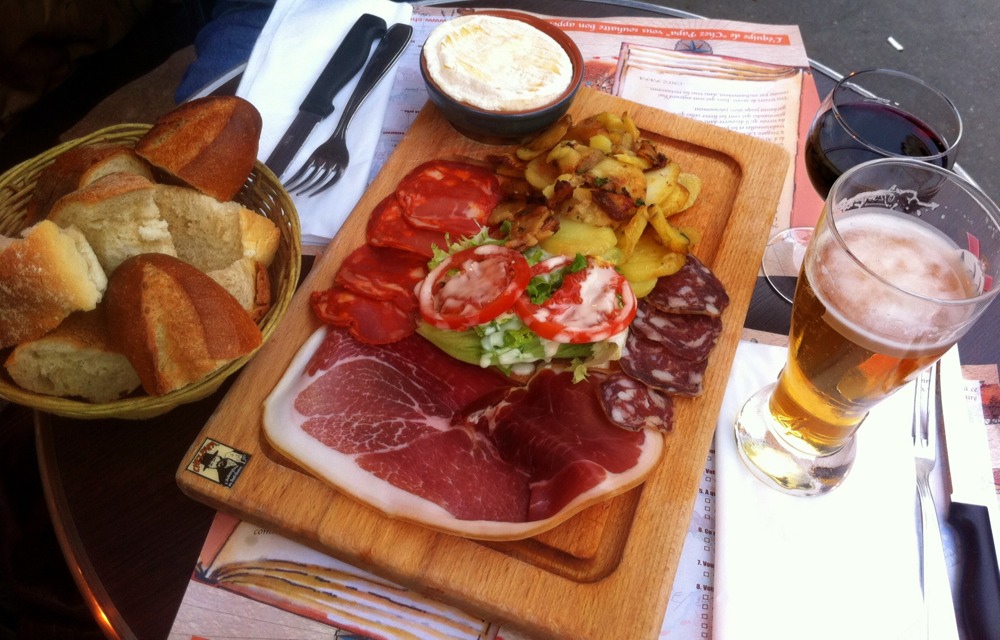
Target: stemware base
769	455
783	258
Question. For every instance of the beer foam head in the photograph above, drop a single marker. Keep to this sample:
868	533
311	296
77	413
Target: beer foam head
917	268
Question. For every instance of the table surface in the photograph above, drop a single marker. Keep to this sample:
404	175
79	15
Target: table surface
131	538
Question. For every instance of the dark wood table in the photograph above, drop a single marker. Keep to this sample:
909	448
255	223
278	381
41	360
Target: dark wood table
131	538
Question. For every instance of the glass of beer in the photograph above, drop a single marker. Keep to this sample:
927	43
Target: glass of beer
903	259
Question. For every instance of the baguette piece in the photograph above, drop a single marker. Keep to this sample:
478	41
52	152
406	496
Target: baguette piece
174	323
209	143
76	359
44	277
261	237
119	216
206	232
212	235
78	167
249	282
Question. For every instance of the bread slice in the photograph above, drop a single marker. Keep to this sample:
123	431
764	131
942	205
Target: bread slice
249	282
174	323
119	216
209	143
261	237
78	167
44	276
76	359
206	233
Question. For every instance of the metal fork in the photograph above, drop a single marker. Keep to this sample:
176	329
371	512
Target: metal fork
934	582
328	162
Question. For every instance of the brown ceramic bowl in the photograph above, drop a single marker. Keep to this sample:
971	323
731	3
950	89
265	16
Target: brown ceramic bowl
509	126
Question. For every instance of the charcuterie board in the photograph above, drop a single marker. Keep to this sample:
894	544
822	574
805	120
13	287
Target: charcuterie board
606	572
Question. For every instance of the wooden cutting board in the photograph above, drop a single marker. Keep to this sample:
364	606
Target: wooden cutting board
608	571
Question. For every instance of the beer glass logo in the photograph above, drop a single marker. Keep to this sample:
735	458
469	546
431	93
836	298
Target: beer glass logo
905	200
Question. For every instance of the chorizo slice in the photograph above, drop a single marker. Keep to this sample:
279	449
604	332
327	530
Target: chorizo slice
448	196
388	228
369	320
383	273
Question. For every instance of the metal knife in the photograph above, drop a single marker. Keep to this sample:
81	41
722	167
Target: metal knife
346	62
964	456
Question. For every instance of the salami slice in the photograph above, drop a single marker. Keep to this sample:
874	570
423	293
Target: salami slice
633	405
691	336
693	289
652	363
450	197
369	320
388	228
383	273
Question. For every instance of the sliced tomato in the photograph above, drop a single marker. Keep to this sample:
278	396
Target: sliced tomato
592	304
473	286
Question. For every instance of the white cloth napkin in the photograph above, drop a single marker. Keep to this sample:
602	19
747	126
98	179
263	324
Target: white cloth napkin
839	566
294	46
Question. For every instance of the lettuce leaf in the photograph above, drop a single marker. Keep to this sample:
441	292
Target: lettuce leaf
505	343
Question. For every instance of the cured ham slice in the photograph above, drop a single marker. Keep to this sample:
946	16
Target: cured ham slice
450	197
426	438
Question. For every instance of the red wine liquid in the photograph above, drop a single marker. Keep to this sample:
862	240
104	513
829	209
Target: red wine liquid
830	150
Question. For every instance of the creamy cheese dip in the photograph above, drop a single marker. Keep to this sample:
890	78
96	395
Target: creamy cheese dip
497	64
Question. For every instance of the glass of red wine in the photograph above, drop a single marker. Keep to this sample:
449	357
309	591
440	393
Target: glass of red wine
875	113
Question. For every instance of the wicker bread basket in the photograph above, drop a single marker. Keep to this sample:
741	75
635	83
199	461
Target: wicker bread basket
262	193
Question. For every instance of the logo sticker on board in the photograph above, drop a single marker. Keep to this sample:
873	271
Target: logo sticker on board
218	462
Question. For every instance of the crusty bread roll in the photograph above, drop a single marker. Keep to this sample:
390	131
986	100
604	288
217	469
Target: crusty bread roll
249	282
119	216
78	167
76	359
44	276
174	323
209	143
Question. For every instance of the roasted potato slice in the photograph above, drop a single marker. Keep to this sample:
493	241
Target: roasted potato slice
582	208
692	183
642	288
672	237
546	139
631	231
650	259
612	175
600	142
662	185
540	173
575	237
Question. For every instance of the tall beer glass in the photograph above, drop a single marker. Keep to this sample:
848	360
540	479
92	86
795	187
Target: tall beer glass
903	260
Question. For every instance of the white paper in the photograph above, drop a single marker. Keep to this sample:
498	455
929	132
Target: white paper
295	45
841	565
